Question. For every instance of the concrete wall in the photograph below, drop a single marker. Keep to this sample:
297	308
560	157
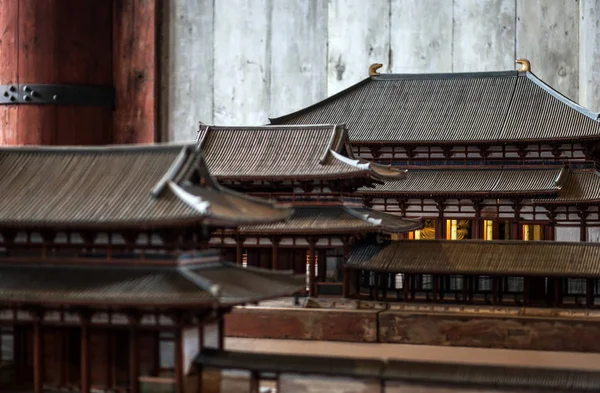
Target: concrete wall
242	61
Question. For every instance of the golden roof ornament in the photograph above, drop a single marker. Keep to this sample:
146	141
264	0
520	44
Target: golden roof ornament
373	69
525	65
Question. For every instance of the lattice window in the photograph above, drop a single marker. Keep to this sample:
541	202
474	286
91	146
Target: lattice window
515	284
576	286
484	284
456	283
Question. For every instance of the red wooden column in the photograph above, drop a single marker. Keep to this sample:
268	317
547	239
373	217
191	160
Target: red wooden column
135	70
582	213
440	225
179	388
346	271
239	244
311	265
58	42
134	354
84	43
38	355
85	353
274	252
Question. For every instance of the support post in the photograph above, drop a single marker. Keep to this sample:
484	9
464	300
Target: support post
200	346
312	285
134	356
345	271
85	352
239	244
274	253
589	292
557	300
477	224
38	354
179	388
440	227
405	284
514	225
346	283
582	213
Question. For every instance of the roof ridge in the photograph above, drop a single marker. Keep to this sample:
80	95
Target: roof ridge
446	75
267	127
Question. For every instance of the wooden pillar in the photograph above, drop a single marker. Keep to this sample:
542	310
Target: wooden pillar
274	253
200	346
514	225
589	292
440	225
413	284
66	42
549	235
346	283
85	352
477	227
557	290
495	289
346	241
179	388
134	355
38	354
254	382
239	246
135	72
582	213
436	289
526	287
312	285
465	288
405	285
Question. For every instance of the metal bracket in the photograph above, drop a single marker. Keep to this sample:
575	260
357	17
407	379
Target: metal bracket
40	94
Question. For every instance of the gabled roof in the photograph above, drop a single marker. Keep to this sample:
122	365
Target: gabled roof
482	107
470	181
512	258
336	219
203	284
285	152
135	186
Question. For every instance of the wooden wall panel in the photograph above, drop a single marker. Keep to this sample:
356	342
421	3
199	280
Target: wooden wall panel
134	65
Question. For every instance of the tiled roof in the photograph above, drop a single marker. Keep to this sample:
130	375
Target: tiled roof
583	187
336	219
446	108
118	185
474	181
291	152
215	282
518	258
